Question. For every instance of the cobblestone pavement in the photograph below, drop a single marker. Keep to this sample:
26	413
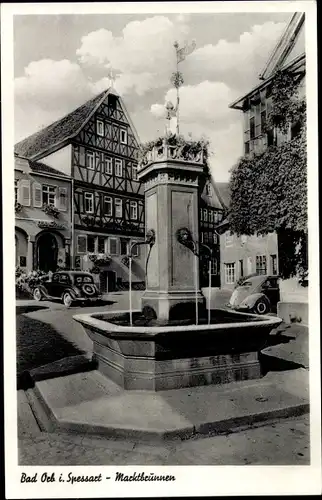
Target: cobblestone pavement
282	443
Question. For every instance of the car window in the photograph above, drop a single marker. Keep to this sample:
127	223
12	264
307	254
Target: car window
246	284
56	277
83	279
64	278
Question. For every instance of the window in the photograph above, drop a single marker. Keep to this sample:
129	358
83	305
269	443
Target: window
229	238
252	127
62	198
201	214
123	136
64	278
135	250
214	266
230	273
108	205
89	203
241	268
133	210
108	167
48	195
216	217
90	160
205	214
100	128
118	207
274	264
91	243
81	244
113	246
124	247
118	167
211	216
215	238
134	172
208	189
205	238
101	244
261	267
16	191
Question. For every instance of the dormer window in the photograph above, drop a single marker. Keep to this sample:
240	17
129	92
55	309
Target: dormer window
100	128
123	136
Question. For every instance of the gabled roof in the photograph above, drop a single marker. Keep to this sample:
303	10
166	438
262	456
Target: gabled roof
58	134
279	58
284	45
219	197
42	168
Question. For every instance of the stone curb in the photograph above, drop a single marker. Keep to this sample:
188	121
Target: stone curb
47	420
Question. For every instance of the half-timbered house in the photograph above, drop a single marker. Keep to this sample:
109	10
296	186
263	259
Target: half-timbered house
97	146
212	206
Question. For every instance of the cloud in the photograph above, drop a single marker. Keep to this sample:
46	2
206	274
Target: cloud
142	58
237	63
48	90
206	102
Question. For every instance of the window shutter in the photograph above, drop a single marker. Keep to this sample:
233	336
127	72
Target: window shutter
62	193
37	194
24	189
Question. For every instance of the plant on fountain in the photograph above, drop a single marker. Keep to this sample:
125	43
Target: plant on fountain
186	149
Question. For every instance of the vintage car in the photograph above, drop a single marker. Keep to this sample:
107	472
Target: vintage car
256	294
68	286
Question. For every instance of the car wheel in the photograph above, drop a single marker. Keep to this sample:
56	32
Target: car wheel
67	299
37	294
261	307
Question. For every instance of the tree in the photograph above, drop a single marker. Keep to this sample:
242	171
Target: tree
269	189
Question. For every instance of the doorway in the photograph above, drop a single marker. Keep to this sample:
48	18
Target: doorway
47	252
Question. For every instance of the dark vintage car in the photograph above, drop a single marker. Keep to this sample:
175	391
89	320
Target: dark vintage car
256	294
68	286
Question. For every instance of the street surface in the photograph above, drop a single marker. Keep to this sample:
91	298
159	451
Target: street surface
284	442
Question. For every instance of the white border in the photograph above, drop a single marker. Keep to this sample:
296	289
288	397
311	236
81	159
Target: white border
192	480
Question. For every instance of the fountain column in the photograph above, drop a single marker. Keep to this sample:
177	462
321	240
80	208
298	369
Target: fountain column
171	206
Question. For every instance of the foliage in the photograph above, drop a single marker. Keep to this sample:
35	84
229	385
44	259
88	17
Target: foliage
189	147
51	210
269	189
27	281
287	108
99	259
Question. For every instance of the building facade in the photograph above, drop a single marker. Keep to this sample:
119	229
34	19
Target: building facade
96	145
211	212
243	255
42	216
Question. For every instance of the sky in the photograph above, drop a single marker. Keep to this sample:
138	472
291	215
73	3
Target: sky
60	61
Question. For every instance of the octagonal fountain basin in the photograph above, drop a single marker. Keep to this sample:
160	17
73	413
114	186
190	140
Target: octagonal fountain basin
154	356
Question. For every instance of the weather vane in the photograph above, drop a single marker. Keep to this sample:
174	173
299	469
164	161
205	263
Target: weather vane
177	77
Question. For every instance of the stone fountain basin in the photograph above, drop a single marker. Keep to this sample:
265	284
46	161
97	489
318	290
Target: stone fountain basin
171	357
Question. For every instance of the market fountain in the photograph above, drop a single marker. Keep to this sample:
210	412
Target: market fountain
173	341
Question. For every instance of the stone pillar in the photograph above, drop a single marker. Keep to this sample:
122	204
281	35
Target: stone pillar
31	254
171	203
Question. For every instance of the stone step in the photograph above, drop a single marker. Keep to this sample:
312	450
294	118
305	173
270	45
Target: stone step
90	403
